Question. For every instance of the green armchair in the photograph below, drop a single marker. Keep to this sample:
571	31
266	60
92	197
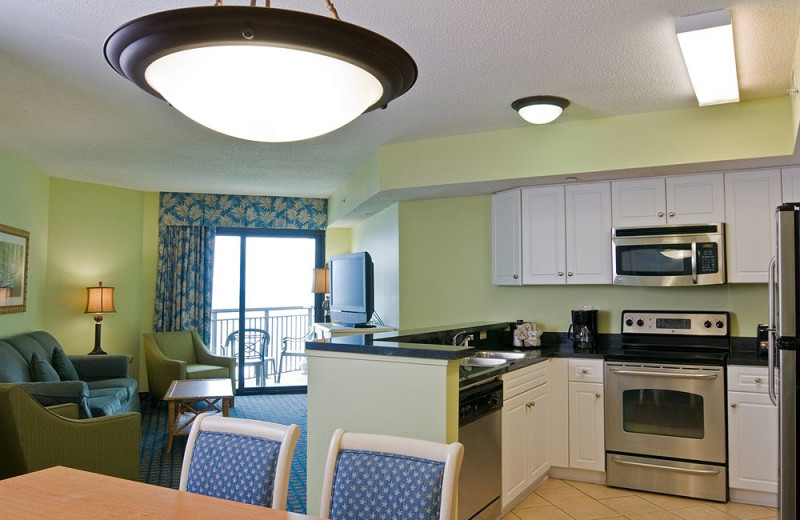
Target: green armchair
34	437
181	355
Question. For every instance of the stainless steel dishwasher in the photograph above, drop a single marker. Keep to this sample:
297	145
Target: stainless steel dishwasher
479	430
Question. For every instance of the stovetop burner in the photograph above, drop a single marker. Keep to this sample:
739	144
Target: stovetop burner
701	338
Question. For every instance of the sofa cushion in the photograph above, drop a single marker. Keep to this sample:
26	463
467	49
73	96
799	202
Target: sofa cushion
41	370
104	405
120	393
64	367
13	366
128	383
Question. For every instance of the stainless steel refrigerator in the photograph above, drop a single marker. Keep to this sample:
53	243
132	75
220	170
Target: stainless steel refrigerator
784	340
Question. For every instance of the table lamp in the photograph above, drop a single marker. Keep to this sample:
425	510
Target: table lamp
322	285
99	300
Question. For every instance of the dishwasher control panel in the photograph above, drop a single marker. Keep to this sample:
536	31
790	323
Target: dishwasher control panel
477	401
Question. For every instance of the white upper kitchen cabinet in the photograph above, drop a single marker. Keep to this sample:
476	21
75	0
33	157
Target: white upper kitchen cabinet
566	234
655	201
750	201
506	234
588	228
791	184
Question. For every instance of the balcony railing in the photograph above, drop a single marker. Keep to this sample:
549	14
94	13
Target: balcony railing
279	322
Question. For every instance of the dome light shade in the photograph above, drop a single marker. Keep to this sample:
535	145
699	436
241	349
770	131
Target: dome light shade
260	73
540	110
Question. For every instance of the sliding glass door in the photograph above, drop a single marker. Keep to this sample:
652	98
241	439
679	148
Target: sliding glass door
262	295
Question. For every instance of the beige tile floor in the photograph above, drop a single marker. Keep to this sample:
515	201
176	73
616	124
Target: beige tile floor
568	500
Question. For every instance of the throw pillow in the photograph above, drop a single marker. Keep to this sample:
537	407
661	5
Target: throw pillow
64	367
41	370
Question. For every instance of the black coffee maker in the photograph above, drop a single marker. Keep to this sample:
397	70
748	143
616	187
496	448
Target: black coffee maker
583	330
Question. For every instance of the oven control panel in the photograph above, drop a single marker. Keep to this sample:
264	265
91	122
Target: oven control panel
675	322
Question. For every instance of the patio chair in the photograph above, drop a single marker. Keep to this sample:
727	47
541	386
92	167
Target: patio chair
286	352
411	479
256	351
239	459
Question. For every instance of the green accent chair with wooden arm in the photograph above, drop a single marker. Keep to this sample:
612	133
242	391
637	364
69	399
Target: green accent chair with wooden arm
172	356
35	437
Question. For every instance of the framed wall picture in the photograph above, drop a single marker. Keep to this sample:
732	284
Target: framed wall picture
13	269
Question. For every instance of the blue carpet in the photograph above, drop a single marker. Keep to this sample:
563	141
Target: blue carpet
164	469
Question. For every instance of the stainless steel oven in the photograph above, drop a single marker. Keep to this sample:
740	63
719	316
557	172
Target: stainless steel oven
669	255
665	421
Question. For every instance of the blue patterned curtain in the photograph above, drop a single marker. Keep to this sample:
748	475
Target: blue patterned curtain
187	227
184	281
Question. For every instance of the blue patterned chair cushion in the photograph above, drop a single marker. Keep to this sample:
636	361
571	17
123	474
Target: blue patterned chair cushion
385	486
233	467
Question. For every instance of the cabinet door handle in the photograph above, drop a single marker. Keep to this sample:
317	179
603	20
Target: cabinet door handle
733	405
561	273
584	371
569	273
757	380
660	213
671	213
597	395
532	403
516	276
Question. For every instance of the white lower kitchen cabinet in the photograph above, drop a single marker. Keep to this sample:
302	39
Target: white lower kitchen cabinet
525	447
586	426
752	437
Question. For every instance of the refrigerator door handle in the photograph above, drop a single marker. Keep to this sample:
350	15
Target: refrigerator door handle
773	395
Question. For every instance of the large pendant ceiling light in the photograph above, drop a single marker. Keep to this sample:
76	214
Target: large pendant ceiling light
260	73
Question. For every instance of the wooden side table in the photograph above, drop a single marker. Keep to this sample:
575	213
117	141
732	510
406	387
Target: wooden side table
188	398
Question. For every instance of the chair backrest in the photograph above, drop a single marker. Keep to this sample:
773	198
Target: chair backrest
413	479
176	345
239	459
256	343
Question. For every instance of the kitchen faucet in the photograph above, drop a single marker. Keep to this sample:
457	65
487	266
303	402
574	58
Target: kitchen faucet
464	342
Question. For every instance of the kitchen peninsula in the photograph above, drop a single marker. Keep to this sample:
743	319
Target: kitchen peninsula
395	383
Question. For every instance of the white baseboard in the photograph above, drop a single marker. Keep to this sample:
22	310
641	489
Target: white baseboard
758	498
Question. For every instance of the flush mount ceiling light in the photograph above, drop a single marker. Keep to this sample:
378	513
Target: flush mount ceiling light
540	109
260	73
706	42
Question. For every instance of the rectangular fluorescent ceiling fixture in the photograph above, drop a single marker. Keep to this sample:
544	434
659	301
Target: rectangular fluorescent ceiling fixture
706	42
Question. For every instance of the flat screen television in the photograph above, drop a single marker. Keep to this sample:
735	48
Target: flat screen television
352	289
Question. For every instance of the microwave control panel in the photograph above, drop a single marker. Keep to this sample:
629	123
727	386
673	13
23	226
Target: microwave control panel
707	258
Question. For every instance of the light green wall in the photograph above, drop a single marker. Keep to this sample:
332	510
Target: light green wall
24	193
100	233
796	97
445	266
337	241
378	235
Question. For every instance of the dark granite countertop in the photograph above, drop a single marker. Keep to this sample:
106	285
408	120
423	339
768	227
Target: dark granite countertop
432	343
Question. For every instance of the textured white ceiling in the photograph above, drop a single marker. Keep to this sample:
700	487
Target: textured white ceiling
65	111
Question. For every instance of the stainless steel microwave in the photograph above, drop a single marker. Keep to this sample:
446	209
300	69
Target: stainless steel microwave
667	256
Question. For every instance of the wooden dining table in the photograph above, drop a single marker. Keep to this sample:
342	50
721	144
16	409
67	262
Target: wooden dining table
60	493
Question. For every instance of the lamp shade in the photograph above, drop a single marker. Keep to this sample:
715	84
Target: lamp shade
321	283
261	73
100	299
540	110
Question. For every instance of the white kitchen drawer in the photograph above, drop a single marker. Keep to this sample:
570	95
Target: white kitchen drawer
523	379
747	379
586	370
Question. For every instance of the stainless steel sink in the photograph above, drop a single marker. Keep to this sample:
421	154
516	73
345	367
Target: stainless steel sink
499	354
475	361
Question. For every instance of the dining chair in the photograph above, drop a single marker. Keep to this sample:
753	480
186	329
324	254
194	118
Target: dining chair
239	459
256	351
383	476
297	354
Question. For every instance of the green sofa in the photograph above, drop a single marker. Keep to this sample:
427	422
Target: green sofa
100	385
171	356
34	437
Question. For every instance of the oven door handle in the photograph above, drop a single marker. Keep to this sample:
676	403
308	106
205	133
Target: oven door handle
662	374
668	468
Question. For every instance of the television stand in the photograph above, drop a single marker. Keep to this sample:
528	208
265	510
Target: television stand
333	330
